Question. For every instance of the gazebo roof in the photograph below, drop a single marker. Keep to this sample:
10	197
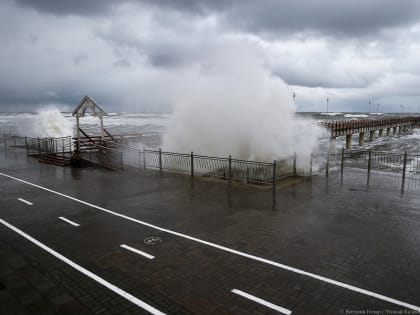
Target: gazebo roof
88	103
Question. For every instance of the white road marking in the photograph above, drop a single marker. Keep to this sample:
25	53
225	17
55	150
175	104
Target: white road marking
69	221
233	251
137	251
262	302
86	272
25	201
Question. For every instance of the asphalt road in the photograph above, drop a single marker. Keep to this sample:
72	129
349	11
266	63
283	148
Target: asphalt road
141	242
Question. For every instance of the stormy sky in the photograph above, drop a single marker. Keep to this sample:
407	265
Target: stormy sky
133	55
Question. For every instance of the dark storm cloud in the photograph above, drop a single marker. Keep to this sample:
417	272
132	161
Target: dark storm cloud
120	51
79	7
349	17
356	17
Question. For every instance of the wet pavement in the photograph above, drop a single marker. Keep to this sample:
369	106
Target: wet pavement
321	248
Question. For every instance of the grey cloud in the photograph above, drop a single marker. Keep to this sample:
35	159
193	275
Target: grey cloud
122	63
79	7
273	17
352	18
79	59
270	17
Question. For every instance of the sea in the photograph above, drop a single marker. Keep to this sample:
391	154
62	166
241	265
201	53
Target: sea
146	129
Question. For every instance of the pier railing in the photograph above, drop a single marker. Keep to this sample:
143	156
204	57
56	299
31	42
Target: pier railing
345	127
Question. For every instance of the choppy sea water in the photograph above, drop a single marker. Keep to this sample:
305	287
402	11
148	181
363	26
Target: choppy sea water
151	127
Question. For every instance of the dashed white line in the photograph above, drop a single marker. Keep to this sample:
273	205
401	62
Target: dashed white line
69	221
232	251
25	201
137	251
262	302
86	272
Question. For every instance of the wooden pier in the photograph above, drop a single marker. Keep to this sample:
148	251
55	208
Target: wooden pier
361	126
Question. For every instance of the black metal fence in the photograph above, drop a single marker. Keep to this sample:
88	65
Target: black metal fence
105	156
402	169
13	140
405	167
201	165
43	146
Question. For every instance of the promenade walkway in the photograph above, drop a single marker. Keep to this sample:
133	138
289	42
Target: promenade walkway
93	241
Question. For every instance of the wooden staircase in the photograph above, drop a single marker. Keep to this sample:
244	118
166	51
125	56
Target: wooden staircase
55	159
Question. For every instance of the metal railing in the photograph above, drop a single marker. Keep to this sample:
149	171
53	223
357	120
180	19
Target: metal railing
13	140
105	156
211	166
43	146
405	166
201	165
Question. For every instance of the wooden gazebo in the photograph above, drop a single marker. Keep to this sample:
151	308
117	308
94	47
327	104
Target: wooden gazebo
88	106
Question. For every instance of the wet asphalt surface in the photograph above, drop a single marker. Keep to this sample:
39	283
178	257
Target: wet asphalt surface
365	236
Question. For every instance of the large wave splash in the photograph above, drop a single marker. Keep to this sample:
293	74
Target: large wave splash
242	111
51	123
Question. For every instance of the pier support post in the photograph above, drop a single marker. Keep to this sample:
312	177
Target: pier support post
372	135
361	138
400	130
348	141
394	131
333	143
388	132
381	133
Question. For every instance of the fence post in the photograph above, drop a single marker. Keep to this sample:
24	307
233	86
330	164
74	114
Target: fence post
294	164
160	159
274	175
39	146
192	164
144	158
404	170
230	168
342	164
369	166
328	163
139	159
311	164
62	145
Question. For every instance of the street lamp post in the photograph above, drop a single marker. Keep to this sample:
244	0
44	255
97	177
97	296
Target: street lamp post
327	104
